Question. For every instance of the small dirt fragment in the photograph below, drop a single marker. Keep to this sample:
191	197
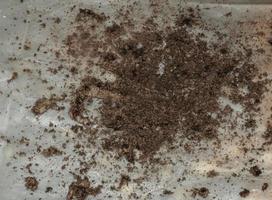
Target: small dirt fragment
264	186
255	171
86	14
244	193
268	135
81	189
123	181
228	14
212	174
203	192
113	28
57	20
48	189
167	192
31	183
51	151
13	77
42	105
27	45
270	41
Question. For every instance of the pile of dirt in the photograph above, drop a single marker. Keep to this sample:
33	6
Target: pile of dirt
168	83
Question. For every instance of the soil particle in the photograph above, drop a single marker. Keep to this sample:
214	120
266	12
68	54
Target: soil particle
125	179
48	189
81	189
57	20
264	186
268	135
31	183
270	41
212	173
244	193
113	28
51	151
42	105
28	167
167	192
13	77
255	171
202	192
87	14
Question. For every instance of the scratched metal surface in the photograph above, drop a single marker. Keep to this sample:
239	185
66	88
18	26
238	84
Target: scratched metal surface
17	121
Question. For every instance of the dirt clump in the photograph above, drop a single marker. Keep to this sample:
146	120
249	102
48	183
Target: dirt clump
51	151
212	173
268	135
13	77
255	171
202	192
87	14
244	193
44	104
167	192
125	179
81	189
31	183
265	186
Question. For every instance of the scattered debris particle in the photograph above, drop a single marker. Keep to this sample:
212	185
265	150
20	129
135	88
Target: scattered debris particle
31	183
255	171
57	20
28	167
81	189
268	135
244	193
48	189
13	77
167	192
202	192
44	104
87	14
123	181
51	151
264	186
229	14
27	45
212	174
270	41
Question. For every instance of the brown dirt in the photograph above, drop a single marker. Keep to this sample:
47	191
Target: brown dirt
42	105
244	193
202	192
51	151
81	189
125	179
167	192
147	107
31	183
212	173
268	135
87	14
255	171
13	77
265	186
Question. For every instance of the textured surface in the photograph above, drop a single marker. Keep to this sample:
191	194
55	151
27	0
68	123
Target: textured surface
23	135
